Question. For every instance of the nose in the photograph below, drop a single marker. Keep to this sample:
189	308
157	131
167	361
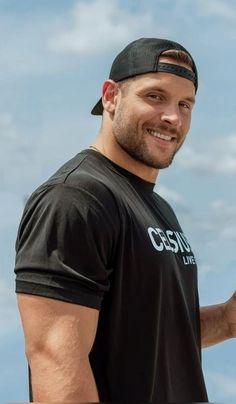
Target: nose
171	116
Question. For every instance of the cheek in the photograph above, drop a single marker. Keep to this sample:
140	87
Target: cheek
186	123
146	114
133	111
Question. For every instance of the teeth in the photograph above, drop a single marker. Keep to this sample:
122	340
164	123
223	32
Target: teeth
159	135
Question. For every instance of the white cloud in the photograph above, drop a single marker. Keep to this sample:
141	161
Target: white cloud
206	269
171	196
190	158
214	156
8	309
11	207
17	156
225	215
26	159
223	384
211	230
99	26
24	49
216	221
217	8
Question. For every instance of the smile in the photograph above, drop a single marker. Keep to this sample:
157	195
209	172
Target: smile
160	135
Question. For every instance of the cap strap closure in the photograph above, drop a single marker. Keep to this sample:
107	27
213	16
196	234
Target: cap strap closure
178	70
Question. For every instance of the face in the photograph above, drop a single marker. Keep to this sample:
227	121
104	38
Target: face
152	117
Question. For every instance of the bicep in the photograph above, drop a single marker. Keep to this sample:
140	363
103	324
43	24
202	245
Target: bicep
56	327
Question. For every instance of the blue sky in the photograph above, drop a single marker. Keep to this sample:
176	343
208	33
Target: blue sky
54	56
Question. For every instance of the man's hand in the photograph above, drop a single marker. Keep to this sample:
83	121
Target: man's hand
218	322
230	315
58	339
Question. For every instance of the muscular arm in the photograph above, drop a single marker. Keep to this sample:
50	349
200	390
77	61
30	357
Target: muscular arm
58	339
218	322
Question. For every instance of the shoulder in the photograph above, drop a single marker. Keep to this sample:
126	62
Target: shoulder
64	213
82	179
76	195
65	203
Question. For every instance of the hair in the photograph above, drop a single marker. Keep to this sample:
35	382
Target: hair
123	85
178	56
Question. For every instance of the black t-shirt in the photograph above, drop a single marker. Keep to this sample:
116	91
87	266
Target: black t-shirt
97	235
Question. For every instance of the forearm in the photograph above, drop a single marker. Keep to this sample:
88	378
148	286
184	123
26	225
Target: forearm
62	381
214	326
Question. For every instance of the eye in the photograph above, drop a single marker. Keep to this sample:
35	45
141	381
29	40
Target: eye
185	105
155	97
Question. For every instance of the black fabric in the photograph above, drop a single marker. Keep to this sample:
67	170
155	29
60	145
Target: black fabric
142	56
97	235
30	386
176	69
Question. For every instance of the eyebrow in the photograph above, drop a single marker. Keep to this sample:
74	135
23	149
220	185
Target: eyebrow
161	90
190	99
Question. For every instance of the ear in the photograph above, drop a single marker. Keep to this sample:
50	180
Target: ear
109	95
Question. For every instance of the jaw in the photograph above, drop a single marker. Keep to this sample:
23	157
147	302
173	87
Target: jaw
162	144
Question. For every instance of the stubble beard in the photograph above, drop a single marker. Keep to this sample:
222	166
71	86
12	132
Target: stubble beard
133	143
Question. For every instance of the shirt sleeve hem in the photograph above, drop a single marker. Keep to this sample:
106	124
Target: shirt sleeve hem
81	297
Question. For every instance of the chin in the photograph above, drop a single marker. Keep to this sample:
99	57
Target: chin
163	164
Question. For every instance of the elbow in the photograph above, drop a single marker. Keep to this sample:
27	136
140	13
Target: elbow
37	352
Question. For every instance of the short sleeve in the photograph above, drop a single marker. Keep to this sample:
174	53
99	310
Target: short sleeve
65	244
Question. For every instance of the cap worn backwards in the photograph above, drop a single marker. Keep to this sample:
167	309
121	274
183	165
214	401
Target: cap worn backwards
142	56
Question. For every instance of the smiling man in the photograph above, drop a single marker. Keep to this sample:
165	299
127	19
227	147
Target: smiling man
106	278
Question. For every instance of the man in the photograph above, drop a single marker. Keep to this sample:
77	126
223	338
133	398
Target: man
106	279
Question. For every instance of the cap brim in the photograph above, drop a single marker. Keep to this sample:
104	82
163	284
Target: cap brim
98	108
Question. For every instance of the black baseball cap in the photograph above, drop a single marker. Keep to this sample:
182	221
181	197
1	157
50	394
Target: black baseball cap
142	56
